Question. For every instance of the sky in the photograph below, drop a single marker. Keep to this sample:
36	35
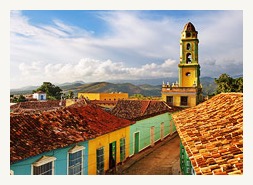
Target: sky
61	46
42	45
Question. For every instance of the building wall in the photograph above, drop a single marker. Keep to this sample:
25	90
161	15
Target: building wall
39	96
90	96
144	126
177	98
70	102
104	96
193	51
24	167
113	96
188	81
104	141
185	163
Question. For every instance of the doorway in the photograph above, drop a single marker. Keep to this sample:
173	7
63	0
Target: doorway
112	155
136	142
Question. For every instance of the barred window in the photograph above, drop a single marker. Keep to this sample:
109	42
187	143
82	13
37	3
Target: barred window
44	166
122	149
100	161
75	163
75	160
184	100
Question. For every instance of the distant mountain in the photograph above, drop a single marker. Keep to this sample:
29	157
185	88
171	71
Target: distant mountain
156	81
208	85
26	88
237	76
65	87
148	87
122	87
23	90
70	83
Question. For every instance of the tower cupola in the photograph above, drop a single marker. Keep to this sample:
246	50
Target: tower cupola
189	31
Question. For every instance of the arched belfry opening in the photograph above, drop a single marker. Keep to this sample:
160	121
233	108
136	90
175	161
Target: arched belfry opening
188	58
188	46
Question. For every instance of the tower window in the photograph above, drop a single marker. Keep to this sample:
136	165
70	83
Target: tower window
188	74
169	100
188	34
188	58
188	46
184	100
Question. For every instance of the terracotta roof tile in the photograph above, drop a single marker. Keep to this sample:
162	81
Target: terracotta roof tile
212	134
36	106
141	109
33	134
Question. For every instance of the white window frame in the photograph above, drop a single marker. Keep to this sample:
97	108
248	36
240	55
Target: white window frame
42	161
11	172
101	148
122	149
188	162
193	171
72	151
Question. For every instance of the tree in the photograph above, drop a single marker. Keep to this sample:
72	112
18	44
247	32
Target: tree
20	98
225	83
238	84
70	95
53	92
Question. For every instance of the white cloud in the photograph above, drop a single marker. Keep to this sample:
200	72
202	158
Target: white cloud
91	70
133	47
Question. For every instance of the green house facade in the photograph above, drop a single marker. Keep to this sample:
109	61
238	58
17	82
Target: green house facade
147	132
185	162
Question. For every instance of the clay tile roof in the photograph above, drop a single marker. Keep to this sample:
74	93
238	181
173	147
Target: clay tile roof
33	134
36	106
212	134
140	109
189	27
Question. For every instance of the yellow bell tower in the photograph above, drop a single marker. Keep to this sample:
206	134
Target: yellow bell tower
189	69
187	92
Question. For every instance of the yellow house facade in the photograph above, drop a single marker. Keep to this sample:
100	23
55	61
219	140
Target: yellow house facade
108	150
176	96
103	96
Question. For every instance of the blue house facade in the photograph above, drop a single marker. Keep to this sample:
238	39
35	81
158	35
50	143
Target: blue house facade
71	160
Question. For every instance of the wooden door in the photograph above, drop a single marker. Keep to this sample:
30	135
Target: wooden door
136	142
112	155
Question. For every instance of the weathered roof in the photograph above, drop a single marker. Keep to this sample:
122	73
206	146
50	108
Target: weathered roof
33	134
36	106
140	109
212	134
189	27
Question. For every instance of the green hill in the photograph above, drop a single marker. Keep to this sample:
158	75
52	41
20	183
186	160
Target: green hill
146	89
124	87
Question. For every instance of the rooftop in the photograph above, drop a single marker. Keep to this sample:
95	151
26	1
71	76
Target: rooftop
189	27
36	106
141	109
212	134
33	134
